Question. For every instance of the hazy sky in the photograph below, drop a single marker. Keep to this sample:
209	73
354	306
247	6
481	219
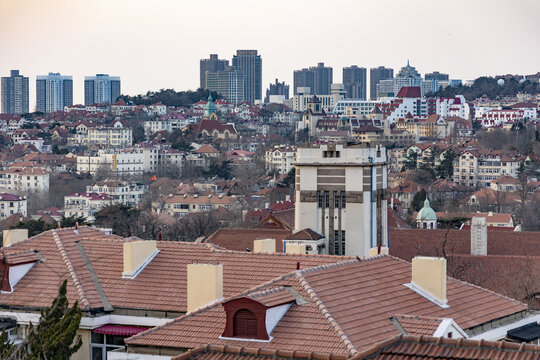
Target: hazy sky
155	44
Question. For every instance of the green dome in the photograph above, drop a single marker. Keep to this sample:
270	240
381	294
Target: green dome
209	108
426	213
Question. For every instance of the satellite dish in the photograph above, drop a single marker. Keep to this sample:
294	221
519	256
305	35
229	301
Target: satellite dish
500	82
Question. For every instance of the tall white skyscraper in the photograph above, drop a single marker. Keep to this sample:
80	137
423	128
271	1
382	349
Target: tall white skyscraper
53	92
101	88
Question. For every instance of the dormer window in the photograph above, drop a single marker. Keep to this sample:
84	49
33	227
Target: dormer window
255	316
245	324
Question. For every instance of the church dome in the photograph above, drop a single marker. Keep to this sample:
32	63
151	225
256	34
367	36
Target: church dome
209	107
426	213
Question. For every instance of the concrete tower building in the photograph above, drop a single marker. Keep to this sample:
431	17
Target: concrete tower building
375	77
354	79
14	93
250	63
341	193
101	88
213	64
53	92
407	77
228	83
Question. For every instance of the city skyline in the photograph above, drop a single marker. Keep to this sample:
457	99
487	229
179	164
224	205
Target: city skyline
168	66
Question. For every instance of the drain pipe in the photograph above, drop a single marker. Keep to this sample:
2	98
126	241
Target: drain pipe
371	204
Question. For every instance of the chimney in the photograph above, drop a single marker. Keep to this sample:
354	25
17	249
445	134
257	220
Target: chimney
138	254
14	236
204	285
383	250
264	246
429	278
296	249
479	236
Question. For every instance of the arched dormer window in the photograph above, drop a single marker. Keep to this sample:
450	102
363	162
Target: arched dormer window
254	317
245	324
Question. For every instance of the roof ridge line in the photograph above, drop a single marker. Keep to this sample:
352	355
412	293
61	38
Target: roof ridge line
71	269
326	314
339	263
103	296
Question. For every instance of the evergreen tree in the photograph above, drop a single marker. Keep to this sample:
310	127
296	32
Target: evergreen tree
55	337
9	350
445	170
410	161
418	200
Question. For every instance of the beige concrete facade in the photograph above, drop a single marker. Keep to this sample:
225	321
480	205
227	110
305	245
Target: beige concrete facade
14	236
264	246
136	254
341	194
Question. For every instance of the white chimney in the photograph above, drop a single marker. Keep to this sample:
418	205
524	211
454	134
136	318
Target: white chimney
264	246
138	254
478	236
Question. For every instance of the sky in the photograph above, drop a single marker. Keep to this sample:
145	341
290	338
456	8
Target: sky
154	44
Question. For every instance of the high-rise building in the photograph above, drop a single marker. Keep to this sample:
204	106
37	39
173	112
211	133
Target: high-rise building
354	79
323	79
53	92
14	93
407	77
101	88
212	64
436	76
304	78
318	78
375	77
229	83
250	63
278	88
341	194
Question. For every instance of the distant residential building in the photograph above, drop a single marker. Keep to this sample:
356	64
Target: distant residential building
14	91
341	194
407	77
85	204
101	88
210	125
277	89
53	92
318	78
354	79
128	162
24	179
228	83
182	205
436	76
300	101
128	193
213	64
477	167
250	63
12	204
375	77
385	88
281	158
115	135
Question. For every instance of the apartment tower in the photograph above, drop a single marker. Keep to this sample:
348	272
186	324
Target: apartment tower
14	93
250	63
53	92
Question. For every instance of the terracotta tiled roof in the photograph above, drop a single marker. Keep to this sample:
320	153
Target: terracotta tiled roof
242	239
430	348
226	352
64	251
346	308
409	92
207	149
305	234
418	325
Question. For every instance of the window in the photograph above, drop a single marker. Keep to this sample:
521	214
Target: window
101	343
343	200
319	199
326	199
336	242
336	200
244	324
342	242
